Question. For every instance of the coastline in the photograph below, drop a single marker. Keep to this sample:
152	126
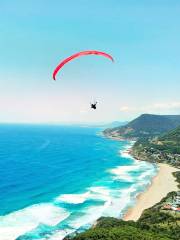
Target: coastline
163	183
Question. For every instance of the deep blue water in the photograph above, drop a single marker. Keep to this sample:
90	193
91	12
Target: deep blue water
58	179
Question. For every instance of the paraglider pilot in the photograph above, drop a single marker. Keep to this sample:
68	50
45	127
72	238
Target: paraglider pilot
93	105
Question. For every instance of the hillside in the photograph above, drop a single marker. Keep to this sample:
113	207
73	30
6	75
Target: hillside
146	125
171	138
116	229
165	148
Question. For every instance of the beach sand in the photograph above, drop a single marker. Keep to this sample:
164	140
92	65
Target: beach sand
162	183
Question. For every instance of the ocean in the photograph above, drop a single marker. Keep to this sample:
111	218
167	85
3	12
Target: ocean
57	180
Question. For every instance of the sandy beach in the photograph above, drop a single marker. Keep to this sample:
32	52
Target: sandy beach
163	183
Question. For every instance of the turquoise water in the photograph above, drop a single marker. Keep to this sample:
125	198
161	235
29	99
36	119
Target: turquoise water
56	180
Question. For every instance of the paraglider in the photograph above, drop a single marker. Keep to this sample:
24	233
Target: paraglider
93	105
79	54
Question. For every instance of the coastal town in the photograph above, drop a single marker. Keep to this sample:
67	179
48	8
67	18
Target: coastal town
173	204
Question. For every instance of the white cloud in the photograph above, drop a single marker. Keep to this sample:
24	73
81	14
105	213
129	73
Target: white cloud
165	108
168	105
125	109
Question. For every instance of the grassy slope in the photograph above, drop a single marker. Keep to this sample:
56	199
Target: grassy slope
165	148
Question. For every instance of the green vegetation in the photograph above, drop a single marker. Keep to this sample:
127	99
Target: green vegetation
146	125
121	230
159	220
165	148
158	137
177	176
153	224
170	142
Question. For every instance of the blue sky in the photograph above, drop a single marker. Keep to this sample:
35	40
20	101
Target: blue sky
143	37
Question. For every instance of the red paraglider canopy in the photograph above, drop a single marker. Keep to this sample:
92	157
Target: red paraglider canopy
78	55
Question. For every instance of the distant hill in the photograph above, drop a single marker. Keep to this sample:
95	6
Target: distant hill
102	125
165	148
146	125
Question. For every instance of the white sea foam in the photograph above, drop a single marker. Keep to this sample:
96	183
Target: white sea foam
127	197
126	172
113	207
115	201
123	172
147	174
90	216
20	222
120	202
100	190
73	198
99	193
125	151
125	154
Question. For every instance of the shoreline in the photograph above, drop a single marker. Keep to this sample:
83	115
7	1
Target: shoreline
163	183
